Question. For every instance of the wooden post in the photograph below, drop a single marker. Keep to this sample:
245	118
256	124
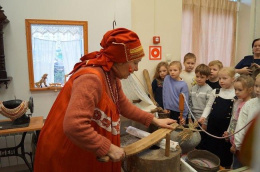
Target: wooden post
152	160
167	145
181	106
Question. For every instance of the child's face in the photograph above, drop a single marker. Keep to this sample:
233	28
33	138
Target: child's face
201	79
225	81
257	87
174	72
163	71
214	69
241	92
189	64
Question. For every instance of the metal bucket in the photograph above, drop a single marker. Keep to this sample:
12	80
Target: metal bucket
188	144
203	161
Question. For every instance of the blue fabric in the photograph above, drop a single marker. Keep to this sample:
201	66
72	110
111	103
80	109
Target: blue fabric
171	92
236	163
157	92
246	62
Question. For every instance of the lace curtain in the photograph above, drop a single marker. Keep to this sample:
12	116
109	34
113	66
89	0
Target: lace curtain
46	40
71	52
44	52
57	32
209	30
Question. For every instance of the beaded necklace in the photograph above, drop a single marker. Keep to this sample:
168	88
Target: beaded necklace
114	95
15	112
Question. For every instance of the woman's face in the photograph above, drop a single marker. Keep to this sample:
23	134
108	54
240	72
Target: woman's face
123	70
257	87
256	47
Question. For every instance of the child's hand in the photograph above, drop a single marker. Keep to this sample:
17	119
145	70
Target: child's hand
233	149
204	127
166	111
182	121
225	135
202	120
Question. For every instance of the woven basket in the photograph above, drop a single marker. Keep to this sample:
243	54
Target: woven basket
225	170
164	115
195	156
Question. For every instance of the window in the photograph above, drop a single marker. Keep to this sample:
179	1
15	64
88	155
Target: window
53	47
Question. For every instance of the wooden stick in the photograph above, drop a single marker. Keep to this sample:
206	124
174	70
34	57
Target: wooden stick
181	105
167	145
144	143
149	86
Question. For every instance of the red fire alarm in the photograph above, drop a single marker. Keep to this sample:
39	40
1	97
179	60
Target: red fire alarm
155	52
156	39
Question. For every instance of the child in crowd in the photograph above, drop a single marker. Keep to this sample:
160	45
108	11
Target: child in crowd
247	113
243	89
188	74
218	110
214	66
199	94
157	84
173	86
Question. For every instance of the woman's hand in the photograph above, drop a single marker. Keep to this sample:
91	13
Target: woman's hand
256	65
164	123
244	70
116	153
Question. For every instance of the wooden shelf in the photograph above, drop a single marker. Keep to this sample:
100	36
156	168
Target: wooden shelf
46	88
5	81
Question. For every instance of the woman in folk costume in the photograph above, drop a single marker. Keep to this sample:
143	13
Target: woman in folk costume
84	121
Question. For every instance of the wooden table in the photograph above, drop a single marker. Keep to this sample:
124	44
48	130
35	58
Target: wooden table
36	123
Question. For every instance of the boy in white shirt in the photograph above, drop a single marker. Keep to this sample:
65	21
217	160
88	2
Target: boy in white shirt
188	75
200	93
199	96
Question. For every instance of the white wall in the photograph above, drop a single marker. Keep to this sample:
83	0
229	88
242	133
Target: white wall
99	14
257	19
157	18
146	17
248	27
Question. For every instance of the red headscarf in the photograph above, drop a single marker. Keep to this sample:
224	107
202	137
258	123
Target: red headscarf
119	45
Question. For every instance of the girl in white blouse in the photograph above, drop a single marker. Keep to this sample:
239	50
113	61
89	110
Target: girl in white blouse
218	111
